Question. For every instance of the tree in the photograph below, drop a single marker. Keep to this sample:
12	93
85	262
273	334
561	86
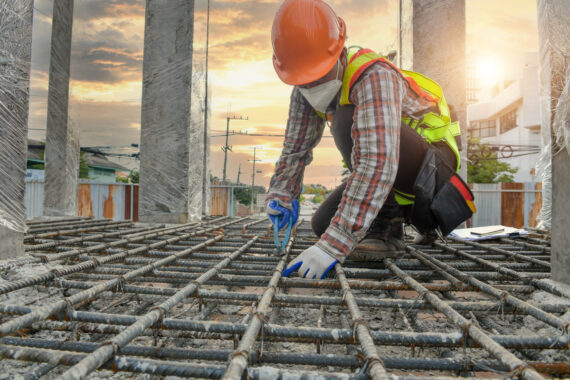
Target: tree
134	176
243	195
484	167
83	167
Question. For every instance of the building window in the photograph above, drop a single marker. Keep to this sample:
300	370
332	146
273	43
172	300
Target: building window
508	121
483	128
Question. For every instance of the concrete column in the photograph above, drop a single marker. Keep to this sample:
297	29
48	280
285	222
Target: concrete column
439	53
171	140
15	62
406	35
62	140
554	37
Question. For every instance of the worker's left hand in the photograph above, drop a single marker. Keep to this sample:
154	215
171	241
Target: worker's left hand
281	215
312	263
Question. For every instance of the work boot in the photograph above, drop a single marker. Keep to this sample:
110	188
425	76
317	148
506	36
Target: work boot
383	240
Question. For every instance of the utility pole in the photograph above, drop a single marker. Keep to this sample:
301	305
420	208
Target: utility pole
239	172
227	147
205	177
253	179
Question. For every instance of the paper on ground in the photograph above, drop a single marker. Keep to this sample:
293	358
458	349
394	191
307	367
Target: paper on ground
467	233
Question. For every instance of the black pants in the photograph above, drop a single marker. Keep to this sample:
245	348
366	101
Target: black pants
412	151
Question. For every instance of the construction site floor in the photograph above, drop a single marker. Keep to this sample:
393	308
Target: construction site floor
115	299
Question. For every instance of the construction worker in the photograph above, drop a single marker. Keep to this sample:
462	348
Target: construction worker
363	102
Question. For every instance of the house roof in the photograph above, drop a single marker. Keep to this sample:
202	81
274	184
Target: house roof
94	158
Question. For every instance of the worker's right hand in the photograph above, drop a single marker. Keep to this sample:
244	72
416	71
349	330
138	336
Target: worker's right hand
279	214
313	263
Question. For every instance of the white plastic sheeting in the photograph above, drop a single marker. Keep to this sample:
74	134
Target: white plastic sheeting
554	92
15	60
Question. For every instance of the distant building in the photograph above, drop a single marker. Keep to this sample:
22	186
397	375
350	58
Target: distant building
510	120
100	168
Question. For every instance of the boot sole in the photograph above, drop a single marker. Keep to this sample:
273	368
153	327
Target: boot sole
365	255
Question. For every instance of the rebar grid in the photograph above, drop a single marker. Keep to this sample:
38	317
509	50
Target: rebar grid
208	300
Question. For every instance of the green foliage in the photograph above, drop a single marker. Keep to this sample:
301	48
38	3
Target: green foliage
38	166
301	199
345	173
83	168
243	195
315	189
134	176
484	167
317	199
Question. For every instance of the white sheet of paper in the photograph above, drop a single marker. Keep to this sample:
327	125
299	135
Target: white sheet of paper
466	233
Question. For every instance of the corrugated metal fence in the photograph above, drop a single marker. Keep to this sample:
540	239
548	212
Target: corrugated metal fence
117	201
509	204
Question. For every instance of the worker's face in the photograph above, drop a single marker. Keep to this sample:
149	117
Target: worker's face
335	72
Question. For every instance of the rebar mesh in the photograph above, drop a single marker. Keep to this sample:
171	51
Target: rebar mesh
207	300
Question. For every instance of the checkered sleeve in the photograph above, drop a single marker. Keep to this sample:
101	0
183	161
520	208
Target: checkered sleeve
377	97
304	131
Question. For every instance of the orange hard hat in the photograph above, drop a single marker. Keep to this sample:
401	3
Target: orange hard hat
307	39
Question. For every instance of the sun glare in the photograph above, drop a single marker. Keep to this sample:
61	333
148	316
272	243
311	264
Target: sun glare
488	71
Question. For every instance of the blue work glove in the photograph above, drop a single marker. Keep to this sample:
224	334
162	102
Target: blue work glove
280	215
312	263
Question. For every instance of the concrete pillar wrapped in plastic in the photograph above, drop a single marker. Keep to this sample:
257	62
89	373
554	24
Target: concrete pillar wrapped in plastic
554	41
15	60
406	35
172	138
439	54
62	139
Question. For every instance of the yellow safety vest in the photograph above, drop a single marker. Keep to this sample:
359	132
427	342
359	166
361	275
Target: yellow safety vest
433	127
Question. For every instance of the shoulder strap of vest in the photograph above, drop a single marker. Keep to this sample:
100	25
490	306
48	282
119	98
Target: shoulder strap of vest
357	62
360	60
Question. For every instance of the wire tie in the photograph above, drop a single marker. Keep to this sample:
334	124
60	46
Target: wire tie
360	358
44	259
114	345
261	343
364	368
197	292
121	284
420	296
95	261
343	299
465	327
69	309
243	353
56	272
517	372
370	363
355	323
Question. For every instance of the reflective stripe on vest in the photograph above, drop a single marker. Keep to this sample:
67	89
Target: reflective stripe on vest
432	127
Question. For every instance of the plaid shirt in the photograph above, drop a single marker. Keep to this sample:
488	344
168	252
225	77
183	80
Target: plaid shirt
381	96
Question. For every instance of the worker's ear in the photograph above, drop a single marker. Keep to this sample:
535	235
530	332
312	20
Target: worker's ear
343	57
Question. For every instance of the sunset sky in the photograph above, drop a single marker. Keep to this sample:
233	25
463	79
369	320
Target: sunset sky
106	69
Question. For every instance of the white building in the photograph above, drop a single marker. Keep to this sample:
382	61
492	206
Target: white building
509	119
